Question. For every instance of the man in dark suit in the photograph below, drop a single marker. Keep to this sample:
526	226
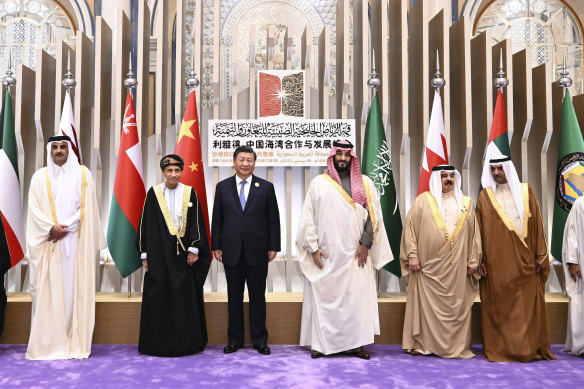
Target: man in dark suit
245	234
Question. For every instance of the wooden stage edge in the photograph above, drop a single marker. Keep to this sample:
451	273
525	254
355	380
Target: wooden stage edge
117	318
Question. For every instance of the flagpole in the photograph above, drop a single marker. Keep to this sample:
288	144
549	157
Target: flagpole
564	81
501	81
374	82
9	81
69	82
192	81
130	82
438	81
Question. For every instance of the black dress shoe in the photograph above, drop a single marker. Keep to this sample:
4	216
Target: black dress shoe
231	348
262	349
363	355
316	354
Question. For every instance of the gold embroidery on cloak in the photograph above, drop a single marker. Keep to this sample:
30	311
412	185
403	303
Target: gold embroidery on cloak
140	225
83	189
50	194
339	189
196	213
167	216
52	201
526	214
440	223
368	192
503	215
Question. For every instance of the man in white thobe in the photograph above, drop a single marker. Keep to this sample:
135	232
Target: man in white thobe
573	256
64	234
341	226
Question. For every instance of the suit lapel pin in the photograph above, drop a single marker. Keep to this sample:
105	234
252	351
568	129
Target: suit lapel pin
190	204
257	184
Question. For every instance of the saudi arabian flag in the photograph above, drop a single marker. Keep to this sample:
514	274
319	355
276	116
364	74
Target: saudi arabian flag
376	165
128	198
570	173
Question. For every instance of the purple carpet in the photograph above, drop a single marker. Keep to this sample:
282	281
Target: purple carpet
121	366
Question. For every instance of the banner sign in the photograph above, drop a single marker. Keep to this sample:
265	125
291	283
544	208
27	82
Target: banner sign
277	143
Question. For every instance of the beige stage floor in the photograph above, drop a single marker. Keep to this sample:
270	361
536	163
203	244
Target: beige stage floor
117	318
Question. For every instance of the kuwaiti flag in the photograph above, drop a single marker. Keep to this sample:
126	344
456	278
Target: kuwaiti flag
10	199
435	152
188	146
128	197
67	126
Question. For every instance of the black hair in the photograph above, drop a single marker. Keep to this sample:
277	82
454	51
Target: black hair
244	149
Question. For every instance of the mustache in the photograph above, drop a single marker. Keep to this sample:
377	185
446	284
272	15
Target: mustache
449	182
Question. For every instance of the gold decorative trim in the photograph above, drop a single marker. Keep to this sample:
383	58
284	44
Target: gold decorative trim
436	212
167	217
165	210
140	225
185	208
339	189
196	210
50	194
474	231
83	190
526	214
503	215
440	223
368	193
463	216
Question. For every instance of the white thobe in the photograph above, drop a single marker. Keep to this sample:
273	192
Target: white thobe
504	197
67	206
450	211
339	311
573	252
56	333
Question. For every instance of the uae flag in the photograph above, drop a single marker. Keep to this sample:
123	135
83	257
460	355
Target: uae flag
570	173
128	197
188	146
499	138
67	126
376	164
435	152
11	199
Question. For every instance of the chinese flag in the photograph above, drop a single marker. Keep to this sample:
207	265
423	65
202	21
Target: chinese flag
188	146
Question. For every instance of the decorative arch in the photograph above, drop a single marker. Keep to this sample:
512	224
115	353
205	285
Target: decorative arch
83	17
302	5
550	28
26	27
